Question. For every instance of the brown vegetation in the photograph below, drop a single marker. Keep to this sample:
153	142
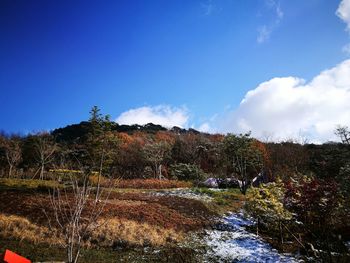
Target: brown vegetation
152	184
115	232
139	183
132	218
21	228
111	233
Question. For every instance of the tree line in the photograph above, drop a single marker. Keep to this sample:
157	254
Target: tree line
152	151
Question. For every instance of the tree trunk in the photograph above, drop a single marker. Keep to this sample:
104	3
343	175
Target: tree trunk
244	187
160	171
77	251
69	254
155	170
281	233
10	170
42	171
257	227
99	177
77	257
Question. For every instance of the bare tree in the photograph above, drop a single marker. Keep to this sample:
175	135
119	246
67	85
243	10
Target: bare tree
13	153
155	154
344	133
107	152
45	148
76	213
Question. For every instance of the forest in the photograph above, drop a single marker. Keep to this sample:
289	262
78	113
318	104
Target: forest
57	187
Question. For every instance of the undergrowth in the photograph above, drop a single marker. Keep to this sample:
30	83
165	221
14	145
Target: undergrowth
224	200
27	184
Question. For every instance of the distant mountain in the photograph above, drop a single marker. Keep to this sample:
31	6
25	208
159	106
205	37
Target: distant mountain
79	131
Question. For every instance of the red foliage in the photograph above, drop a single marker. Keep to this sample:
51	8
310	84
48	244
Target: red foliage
262	149
216	137
164	136
125	139
141	138
313	200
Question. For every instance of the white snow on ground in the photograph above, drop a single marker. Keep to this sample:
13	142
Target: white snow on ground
185	193
232	243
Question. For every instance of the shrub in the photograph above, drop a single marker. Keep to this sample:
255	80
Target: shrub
315	201
265	204
267	201
186	172
105	182
344	180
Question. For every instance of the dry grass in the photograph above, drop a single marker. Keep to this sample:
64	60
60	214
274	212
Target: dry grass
115	231
108	234
22	184
151	184
139	183
21	228
104	181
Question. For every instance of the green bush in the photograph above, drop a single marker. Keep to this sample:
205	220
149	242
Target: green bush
186	172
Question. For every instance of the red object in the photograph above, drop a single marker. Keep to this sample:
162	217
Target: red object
12	257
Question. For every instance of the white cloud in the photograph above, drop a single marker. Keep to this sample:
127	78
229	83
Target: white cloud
265	31
276	6
163	114
279	12
208	9
263	34
346	49
343	12
205	127
289	107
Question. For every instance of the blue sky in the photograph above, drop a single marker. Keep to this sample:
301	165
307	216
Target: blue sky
180	57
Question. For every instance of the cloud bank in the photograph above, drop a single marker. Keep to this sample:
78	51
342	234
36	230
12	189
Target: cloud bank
287	107
283	108
164	115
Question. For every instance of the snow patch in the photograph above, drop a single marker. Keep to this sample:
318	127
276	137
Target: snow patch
185	193
232	243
